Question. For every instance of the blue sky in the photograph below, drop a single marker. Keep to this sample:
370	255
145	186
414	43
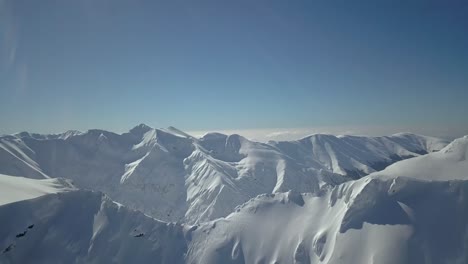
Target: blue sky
232	65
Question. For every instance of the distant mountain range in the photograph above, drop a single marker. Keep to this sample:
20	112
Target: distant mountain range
172	176
95	197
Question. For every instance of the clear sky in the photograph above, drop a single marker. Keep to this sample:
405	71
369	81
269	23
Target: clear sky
230	65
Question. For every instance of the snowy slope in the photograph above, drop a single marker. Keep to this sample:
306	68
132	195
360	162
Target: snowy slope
448	164
142	168
14	189
79	227
384	217
225	171
366	221
381	218
372	220
172	176
16	158
357	156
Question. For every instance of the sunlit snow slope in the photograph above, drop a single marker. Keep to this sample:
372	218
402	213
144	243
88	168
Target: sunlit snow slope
393	216
172	176
44	221
16	189
380	218
371	220
448	164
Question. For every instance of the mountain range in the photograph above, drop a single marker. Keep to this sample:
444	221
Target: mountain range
173	176
163	196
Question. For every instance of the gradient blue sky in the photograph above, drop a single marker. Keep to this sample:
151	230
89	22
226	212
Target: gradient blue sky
211	65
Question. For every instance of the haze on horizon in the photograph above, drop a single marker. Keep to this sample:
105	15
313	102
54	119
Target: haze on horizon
268	69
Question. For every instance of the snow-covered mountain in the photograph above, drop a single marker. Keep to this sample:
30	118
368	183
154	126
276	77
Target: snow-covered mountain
360	222
357	156
172	176
381	218
50	221
450	163
415	211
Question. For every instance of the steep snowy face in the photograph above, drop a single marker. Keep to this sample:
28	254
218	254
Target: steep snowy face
366	221
357	156
143	168
154	181
448	164
215	185
172	176
386	217
225	171
16	158
372	220
80	227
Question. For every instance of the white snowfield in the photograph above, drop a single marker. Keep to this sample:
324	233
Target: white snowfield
386	217
362	222
172	176
397	215
14	189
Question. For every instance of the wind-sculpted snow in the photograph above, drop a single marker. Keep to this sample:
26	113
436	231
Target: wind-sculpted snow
448	164
367	221
172	176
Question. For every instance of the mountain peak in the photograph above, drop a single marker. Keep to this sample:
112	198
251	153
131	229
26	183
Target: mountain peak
140	129
458	146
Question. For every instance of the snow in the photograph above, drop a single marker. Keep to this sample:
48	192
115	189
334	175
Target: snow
172	176
18	159
85	227
357	155
448	164
357	222
234	200
14	189
372	220
339	224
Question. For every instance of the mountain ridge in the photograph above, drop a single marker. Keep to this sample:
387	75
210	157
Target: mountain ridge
199	179
343	221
